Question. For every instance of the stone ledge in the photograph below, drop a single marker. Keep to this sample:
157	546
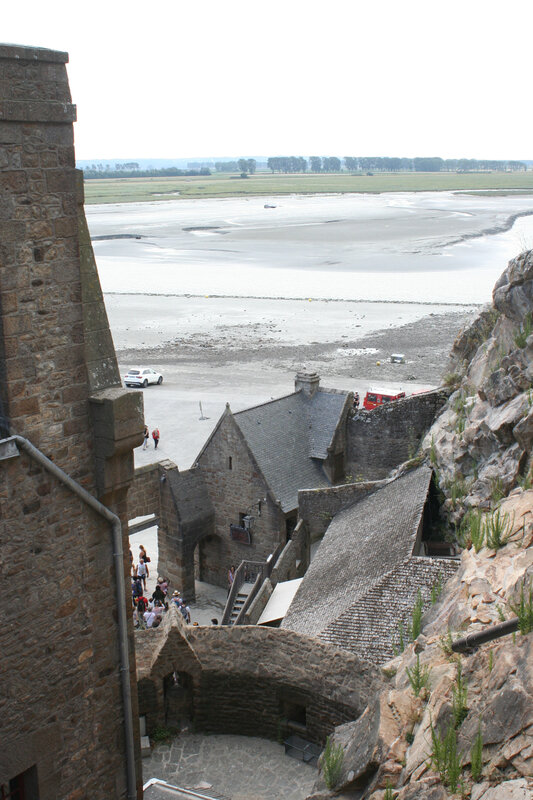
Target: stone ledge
21	52
37	111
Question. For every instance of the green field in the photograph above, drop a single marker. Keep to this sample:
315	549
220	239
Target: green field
134	190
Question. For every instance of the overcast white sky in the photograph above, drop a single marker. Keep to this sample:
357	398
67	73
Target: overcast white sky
199	78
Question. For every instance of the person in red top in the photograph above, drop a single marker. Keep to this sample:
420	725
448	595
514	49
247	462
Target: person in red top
155	437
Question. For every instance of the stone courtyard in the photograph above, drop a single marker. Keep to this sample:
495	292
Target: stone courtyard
230	768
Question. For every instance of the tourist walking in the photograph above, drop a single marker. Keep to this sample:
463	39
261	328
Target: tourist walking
146	435
142	571
143	554
155	437
231	577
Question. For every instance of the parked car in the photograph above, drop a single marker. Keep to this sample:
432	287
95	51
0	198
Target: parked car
376	397
142	376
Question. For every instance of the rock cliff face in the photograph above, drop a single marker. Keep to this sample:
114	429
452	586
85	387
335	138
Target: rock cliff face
480	449
481	444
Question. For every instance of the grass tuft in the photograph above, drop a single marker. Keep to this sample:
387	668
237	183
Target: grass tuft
332	759
418	677
524	609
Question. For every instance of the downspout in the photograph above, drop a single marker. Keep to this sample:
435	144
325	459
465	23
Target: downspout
118	557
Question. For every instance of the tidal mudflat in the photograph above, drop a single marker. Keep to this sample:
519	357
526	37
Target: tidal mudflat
228	298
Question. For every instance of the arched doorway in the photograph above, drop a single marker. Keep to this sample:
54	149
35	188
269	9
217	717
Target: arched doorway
178	699
210	560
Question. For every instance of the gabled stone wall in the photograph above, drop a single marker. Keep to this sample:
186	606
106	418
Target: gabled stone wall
385	437
236	490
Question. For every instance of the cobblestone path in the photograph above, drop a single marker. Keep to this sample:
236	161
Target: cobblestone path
236	767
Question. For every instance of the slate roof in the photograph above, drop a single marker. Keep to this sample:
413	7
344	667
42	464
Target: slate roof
289	438
364	579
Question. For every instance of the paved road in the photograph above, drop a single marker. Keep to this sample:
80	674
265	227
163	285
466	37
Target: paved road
236	767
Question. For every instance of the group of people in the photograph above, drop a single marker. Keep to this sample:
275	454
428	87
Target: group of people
148	613
155	437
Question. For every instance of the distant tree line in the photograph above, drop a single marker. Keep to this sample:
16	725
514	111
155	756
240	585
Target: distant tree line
131	170
291	164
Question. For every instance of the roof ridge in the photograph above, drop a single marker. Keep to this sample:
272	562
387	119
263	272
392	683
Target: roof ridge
266	403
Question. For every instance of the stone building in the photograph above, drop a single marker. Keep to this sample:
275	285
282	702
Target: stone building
68	703
367	572
256	460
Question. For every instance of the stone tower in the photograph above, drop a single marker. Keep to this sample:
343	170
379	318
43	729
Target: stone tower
67	430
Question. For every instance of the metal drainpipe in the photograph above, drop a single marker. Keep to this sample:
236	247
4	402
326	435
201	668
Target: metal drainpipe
473	640
118	557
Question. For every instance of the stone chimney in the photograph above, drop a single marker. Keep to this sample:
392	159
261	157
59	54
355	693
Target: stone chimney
308	382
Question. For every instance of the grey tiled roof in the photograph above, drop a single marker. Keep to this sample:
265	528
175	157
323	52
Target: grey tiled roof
289	437
369	627
364	579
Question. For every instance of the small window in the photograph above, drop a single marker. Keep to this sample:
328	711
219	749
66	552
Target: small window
22	787
230	463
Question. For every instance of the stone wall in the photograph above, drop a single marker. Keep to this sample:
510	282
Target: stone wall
46	389
245	677
185	518
62	705
383	438
143	496
235	487
317	507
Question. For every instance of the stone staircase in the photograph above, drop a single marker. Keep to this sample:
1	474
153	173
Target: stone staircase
239	601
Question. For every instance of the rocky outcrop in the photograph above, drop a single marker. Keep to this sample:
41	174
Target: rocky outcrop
391	743
480	445
480	449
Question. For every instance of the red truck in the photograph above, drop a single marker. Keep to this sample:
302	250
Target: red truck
376	397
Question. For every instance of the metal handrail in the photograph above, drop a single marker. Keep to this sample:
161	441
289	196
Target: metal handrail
255	572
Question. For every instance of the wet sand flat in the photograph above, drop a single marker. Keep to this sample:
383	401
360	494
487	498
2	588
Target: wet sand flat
228	299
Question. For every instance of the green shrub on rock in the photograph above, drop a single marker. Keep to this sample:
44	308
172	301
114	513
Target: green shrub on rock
332	759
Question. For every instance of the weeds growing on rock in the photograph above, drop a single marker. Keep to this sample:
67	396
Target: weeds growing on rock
526	481
436	590
524	609
459	697
491	660
452	380
457	488
389	794
413	628
332	759
497	492
476	755
416	617
445	644
418	677
401	642
433	453
471	532
497	528
444	757
525	330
